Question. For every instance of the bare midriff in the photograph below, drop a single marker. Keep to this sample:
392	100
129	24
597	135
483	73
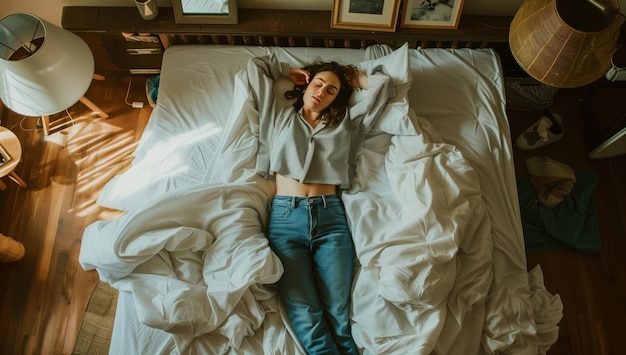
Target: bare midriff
290	187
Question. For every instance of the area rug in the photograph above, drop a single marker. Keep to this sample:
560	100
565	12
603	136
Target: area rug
94	335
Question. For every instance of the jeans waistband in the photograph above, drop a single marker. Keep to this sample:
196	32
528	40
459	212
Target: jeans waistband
323	200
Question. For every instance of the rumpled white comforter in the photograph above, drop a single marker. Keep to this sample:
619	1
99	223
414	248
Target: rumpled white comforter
198	264
424	245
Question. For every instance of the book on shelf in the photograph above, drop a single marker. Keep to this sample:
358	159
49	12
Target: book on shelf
140	51
143	44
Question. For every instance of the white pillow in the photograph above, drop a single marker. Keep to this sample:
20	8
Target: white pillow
395	118
197	156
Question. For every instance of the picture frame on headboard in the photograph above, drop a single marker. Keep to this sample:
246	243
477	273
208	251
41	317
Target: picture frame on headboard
437	14
368	15
205	11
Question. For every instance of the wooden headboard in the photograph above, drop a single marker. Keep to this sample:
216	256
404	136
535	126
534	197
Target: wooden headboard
103	26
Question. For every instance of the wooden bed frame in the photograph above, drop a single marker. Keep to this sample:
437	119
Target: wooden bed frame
103	26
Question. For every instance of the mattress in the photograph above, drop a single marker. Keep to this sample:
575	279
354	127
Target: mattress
456	98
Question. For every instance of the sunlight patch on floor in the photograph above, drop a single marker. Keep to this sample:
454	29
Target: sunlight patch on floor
99	150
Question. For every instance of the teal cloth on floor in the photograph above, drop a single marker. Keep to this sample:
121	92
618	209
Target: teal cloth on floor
573	223
152	89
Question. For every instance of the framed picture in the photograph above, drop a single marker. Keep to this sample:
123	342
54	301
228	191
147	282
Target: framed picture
368	15
205	11
431	13
4	156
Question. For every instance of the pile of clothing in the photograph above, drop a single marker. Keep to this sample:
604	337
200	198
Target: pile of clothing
557	207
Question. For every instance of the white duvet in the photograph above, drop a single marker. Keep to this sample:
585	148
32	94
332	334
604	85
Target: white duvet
199	268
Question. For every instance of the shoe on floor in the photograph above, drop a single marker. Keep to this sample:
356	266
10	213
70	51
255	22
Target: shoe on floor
541	133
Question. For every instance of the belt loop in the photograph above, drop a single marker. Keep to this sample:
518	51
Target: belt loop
293	202
324	200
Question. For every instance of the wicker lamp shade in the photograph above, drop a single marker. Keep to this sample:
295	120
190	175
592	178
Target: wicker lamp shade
565	43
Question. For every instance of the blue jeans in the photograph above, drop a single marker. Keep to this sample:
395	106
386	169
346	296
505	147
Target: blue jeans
311	237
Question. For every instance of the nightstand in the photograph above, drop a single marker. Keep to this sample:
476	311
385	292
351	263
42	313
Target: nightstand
11	144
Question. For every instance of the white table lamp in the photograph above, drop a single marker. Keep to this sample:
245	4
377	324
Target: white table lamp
44	69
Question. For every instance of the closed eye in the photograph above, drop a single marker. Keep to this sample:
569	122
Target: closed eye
319	82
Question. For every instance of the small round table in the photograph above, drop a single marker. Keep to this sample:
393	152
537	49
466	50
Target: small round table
11	144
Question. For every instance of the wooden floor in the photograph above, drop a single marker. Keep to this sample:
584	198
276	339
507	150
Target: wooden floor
43	296
592	287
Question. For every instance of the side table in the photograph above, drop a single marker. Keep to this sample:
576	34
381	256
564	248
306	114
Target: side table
11	144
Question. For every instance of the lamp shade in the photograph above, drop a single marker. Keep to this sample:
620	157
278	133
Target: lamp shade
565	43
44	69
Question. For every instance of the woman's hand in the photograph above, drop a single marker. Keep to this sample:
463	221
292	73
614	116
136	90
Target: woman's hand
356	78
299	76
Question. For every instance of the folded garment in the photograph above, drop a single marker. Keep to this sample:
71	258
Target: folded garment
572	223
552	180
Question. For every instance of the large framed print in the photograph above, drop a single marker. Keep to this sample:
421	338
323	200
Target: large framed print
431	13
368	15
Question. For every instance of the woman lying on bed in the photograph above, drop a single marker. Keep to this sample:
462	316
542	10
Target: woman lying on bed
309	149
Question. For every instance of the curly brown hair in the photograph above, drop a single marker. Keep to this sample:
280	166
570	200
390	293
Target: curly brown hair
336	111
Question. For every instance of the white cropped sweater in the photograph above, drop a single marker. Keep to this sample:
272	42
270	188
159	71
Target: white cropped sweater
289	146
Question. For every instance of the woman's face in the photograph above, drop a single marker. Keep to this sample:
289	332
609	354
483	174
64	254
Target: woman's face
321	91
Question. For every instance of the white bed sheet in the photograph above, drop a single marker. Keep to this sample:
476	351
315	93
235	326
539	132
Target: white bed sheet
461	95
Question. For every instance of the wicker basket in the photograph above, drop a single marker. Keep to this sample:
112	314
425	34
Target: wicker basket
10	249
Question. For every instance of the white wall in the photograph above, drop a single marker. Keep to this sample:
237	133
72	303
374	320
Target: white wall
51	10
